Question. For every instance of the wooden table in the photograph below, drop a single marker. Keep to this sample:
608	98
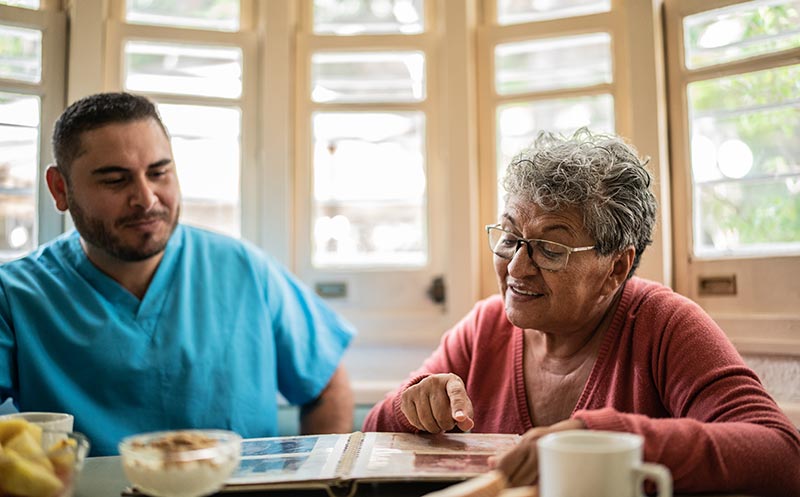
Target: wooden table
103	477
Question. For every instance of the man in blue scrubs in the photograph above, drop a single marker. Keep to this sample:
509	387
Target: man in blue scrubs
134	322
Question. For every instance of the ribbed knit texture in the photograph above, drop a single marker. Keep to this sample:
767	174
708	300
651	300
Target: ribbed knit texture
664	370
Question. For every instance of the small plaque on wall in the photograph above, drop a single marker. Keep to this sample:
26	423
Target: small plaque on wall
331	289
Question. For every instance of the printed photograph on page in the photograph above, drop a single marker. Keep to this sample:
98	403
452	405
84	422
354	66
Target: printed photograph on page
289	459
423	456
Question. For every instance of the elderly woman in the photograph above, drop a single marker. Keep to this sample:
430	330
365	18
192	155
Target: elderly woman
575	341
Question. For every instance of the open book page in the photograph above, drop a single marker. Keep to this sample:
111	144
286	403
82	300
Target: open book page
290	459
449	456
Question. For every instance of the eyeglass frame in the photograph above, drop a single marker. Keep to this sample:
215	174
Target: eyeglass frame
527	243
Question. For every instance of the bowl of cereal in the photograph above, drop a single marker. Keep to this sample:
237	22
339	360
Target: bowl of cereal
39	463
180	463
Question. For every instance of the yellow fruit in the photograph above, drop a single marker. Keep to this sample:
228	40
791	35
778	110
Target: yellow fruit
23	478
9	428
62	455
24	444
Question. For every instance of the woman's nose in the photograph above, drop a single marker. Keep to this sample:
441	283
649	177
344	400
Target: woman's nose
521	264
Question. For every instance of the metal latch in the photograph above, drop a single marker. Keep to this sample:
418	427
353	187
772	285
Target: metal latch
436	291
717	285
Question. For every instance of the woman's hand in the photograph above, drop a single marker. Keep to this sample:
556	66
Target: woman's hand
521	464
437	404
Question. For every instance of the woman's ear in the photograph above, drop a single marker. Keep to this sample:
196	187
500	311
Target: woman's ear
621	264
57	185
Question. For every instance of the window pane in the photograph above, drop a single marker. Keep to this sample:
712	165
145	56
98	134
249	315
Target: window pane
19	154
567	62
519	123
519	11
741	31
746	162
353	17
210	71
206	144
369	189
748	218
28	4
21	51
368	77
205	14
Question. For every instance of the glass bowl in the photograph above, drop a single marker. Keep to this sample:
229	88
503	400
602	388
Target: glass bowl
180	463
46	467
67	451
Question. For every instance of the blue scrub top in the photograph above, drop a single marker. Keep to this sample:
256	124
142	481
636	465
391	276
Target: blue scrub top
221	330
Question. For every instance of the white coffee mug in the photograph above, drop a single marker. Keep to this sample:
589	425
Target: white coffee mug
590	463
54	424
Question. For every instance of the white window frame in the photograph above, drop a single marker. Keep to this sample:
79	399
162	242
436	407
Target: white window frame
638	90
763	317
50	89
451	213
119	32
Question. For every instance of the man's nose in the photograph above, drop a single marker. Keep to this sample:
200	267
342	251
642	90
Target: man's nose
143	194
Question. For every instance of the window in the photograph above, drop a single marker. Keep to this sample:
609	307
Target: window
27	4
370	182
370	191
745	170
193	64
548	66
31	92
516	12
734	125
361	17
222	15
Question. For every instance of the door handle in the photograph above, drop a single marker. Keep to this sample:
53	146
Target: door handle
436	291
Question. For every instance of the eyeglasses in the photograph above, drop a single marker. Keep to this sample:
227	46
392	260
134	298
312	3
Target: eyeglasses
544	254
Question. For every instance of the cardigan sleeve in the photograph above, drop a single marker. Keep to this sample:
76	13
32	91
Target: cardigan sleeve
453	355
725	433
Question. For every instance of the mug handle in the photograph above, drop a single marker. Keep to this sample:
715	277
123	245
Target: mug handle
657	473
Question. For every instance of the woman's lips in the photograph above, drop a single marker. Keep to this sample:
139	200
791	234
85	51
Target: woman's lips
525	293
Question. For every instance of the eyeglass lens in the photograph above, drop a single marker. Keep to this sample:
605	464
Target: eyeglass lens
545	255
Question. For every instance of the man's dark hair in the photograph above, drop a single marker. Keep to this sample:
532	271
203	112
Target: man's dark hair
92	112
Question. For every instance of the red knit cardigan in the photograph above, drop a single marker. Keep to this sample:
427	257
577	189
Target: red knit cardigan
665	370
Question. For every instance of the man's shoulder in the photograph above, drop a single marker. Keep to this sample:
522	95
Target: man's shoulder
206	240
219	248
45	259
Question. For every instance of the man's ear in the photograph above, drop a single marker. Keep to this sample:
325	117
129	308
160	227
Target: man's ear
57	186
620	267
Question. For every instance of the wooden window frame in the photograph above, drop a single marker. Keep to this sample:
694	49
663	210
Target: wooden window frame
763	317
53	24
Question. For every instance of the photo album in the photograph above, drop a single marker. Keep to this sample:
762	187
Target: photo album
336	463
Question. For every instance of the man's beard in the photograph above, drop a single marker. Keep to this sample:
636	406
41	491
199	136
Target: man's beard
94	231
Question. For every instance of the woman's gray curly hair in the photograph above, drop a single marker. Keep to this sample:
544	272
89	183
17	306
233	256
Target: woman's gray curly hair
601	175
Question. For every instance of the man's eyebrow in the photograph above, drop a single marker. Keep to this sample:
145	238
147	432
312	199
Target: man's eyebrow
111	169
161	163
